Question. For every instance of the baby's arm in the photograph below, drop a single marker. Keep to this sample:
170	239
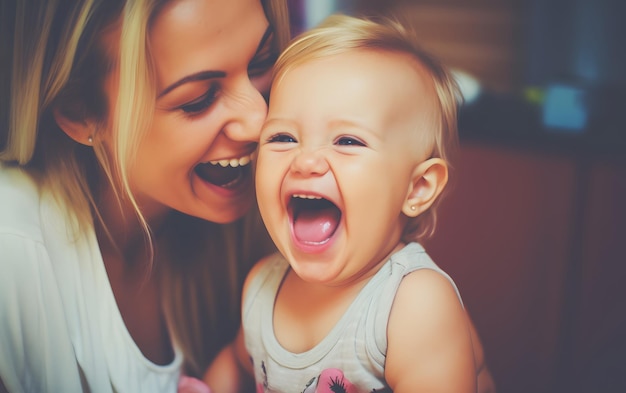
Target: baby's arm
230	372
485	382
429	341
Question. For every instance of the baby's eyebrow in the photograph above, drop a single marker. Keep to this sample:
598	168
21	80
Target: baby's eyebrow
274	123
198	76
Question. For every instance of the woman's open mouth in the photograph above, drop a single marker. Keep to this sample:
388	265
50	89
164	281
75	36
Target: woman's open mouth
225	173
314	219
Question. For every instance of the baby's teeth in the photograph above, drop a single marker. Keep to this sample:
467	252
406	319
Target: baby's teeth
244	160
224	163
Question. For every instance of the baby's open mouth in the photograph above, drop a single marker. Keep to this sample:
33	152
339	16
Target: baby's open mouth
225	173
314	219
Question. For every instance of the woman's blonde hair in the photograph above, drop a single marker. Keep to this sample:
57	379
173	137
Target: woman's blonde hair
53	59
341	33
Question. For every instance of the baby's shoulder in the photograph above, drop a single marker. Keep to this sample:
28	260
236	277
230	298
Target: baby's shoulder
268	267
429	283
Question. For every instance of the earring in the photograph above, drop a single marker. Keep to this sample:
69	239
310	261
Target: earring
90	139
413	208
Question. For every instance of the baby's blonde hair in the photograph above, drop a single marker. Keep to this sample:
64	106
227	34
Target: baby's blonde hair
341	33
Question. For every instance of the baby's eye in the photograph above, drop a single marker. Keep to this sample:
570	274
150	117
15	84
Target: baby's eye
201	103
281	138
349	141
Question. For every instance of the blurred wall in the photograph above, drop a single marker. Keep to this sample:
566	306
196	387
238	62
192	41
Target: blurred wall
482	37
534	239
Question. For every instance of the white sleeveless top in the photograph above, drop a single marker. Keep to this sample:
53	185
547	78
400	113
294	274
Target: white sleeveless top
356	346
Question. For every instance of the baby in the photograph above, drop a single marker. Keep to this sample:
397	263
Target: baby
352	162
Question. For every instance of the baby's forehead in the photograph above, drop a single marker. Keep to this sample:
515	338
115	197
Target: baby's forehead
385	66
394	73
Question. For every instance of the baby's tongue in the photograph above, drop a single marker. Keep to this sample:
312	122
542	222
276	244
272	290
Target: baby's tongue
315	226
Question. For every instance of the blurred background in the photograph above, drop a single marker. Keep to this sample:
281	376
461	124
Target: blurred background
534	225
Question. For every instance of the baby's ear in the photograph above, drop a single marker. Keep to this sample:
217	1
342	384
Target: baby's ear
81	131
428	181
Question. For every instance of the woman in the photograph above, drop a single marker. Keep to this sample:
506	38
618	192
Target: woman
125	134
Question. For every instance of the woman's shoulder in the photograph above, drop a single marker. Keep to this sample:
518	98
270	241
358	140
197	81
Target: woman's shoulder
30	224
19	203
21	235
15	181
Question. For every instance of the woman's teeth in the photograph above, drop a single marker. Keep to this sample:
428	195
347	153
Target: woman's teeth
302	196
234	162
225	173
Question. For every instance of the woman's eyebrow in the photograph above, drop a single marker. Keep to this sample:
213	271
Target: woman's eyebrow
204	75
199	76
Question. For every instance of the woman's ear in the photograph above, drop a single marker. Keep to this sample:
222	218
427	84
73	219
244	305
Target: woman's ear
81	131
428	181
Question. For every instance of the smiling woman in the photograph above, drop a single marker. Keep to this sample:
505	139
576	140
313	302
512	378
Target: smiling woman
126	225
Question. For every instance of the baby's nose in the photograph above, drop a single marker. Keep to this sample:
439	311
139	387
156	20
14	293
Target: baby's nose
310	163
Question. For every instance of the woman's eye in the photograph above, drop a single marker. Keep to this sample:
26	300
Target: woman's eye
265	57
259	73
201	103
349	141
281	138
261	64
259	69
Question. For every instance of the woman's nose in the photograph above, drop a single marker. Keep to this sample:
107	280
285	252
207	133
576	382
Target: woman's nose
248	111
309	163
